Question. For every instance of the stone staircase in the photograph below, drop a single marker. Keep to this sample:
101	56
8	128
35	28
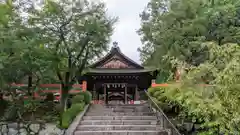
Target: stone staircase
120	120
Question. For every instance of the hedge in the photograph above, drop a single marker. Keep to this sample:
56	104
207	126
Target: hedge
78	102
78	99
87	96
70	114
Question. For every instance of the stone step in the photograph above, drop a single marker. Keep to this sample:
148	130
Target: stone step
118	127
120	114
122	132
102	108
119	118
127	105
138	109
118	110
118	122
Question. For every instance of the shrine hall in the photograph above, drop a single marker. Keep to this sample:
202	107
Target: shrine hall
115	77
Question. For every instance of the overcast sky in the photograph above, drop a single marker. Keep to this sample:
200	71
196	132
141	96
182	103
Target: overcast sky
129	22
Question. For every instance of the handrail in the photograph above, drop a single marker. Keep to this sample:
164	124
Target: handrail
161	111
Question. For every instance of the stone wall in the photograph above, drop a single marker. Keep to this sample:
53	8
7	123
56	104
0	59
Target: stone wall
32	129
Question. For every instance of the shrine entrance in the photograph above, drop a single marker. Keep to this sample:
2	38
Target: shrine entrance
119	93
117	79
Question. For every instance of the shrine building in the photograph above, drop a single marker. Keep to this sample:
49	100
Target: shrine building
117	77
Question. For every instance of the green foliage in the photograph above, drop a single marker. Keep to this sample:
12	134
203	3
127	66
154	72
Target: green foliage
3	106
10	113
163	77
87	96
32	106
66	119
202	37
52	44
71	113
153	90
75	108
175	31
165	102
78	99
214	106
75	33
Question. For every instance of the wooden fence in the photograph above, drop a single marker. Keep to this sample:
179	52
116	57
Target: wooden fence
54	88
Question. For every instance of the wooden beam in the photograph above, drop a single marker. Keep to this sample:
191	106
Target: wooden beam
50	85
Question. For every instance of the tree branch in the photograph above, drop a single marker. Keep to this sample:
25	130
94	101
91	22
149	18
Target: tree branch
84	43
65	43
68	73
67	22
84	61
57	44
60	77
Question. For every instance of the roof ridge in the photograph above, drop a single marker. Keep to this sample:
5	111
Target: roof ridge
115	50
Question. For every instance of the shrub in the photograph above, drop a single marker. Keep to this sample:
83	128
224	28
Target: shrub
143	95
157	94
66	119
49	97
76	108
10	114
159	97
78	99
58	107
70	114
87	96
3	106
152	90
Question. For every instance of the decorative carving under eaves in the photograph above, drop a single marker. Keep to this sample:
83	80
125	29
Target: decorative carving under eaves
115	63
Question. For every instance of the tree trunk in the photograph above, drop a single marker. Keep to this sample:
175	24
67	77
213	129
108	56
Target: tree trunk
63	101
29	85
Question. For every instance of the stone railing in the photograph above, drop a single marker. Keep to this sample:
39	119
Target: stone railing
161	116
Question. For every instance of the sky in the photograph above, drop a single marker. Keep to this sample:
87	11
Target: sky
129	22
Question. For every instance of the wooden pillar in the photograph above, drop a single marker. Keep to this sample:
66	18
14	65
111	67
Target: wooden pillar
136	91
104	94
125	95
94	92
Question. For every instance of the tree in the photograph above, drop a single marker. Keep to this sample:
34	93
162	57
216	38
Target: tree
202	36
174	30
219	103
22	55
216	105
74	34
